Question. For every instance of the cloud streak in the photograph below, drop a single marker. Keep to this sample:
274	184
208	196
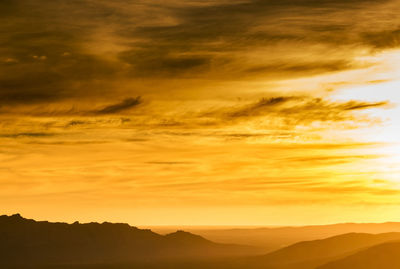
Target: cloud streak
297	110
121	107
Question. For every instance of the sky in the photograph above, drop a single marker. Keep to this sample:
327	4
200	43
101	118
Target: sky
253	112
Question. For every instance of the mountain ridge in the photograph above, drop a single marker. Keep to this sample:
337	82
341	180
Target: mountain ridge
42	242
309	254
274	238
380	256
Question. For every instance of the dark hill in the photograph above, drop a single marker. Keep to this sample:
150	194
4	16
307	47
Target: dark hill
24	241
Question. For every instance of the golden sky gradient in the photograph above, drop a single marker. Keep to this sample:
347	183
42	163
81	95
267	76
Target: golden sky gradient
200	112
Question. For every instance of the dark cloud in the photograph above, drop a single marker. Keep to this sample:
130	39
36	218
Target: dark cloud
56	73
235	21
170	163
386	39
43	44
120	107
297	110
280	115
326	160
225	31
67	143
146	62
355	105
76	122
52	50
32	135
290	68
261	105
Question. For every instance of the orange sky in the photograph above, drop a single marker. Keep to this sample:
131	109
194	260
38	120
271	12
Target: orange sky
200	112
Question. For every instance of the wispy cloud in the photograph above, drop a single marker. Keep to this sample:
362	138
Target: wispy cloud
28	134
120	107
297	110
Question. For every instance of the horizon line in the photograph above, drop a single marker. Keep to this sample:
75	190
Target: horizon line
219	226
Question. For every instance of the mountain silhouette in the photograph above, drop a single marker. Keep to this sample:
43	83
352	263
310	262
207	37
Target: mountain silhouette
24	241
310	254
274	238
382	256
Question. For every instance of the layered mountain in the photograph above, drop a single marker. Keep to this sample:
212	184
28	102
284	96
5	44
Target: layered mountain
383	256
274	238
24	241
310	254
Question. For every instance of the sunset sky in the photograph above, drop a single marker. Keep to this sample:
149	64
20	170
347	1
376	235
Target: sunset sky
212	112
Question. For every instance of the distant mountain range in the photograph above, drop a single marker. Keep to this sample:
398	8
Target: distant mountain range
274	238
26	243
383	256
310	254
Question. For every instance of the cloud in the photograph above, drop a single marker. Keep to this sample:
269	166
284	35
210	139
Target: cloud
260	106
120	107
148	62
76	122
294	68
84	110
27	134
169	163
284	112
385	39
51	62
308	161
43	73
80	50
356	105
225	34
